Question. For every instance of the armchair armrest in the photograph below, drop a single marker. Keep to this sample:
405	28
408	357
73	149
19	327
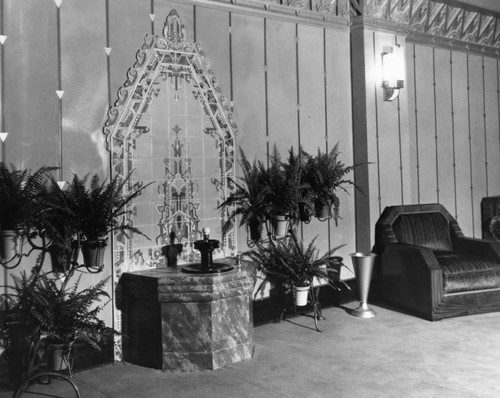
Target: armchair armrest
413	256
411	277
485	248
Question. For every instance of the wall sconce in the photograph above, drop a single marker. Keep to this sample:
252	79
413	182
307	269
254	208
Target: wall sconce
392	72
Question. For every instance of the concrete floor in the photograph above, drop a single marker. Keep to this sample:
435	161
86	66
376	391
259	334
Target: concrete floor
391	355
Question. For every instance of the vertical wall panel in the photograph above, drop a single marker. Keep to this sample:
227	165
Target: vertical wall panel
215	24
389	140
84	82
249	89
424	133
444	130
248	80
129	22
492	129
31	73
282	85
477	141
373	81
414	128
461	141
339	127
312	114
311	89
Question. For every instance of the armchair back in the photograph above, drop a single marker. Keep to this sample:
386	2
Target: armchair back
430	230
427	225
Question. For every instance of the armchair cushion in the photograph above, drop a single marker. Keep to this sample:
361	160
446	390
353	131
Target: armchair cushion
431	230
464	272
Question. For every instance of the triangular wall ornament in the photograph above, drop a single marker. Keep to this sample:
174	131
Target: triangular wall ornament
60	93
3	136
2	39
107	50
58	3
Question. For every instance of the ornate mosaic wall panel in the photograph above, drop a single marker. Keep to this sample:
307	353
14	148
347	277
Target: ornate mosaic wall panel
171	126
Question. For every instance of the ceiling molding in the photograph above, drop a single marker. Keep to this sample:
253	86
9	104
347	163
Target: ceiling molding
437	21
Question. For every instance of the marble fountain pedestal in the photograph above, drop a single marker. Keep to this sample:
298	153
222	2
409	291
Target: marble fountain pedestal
177	321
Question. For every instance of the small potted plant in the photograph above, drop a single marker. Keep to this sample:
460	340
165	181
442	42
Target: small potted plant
54	315
285	184
96	209
19	330
324	174
21	195
289	264
250	199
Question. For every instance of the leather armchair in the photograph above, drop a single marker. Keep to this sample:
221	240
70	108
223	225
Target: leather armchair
427	267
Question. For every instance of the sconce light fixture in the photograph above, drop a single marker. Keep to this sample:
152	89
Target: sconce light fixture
392	72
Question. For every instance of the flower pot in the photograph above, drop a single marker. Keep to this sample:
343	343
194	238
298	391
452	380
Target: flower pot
11	244
58	357
171	253
280	225
322	210
93	253
255	228
63	258
304	212
301	295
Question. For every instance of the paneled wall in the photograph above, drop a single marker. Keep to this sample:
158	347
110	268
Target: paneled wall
287	77
439	141
455	148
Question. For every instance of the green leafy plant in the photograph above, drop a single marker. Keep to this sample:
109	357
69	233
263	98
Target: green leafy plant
324	174
289	262
55	311
21	195
250	199
285	183
99	208
38	312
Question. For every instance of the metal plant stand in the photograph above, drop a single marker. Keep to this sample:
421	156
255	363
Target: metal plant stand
314	305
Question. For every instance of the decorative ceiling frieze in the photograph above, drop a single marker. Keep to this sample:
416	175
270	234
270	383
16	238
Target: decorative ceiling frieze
437	19
424	20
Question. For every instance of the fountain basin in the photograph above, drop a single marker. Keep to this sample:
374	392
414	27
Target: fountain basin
177	321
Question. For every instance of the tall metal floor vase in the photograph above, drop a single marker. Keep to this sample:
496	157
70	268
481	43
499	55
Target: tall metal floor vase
363	269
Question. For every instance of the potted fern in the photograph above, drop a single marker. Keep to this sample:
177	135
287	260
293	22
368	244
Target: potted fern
286	186
21	196
52	316
19	330
289	264
97	209
250	198
324	174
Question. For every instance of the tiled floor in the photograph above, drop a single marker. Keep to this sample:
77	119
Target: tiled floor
391	355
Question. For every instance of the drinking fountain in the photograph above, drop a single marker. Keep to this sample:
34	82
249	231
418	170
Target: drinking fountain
206	246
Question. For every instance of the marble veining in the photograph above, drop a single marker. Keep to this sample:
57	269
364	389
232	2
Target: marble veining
205	320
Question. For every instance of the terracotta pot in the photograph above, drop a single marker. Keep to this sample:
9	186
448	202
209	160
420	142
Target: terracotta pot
93	253
11	244
301	295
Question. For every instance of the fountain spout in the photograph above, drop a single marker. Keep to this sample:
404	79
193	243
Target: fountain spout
206	246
